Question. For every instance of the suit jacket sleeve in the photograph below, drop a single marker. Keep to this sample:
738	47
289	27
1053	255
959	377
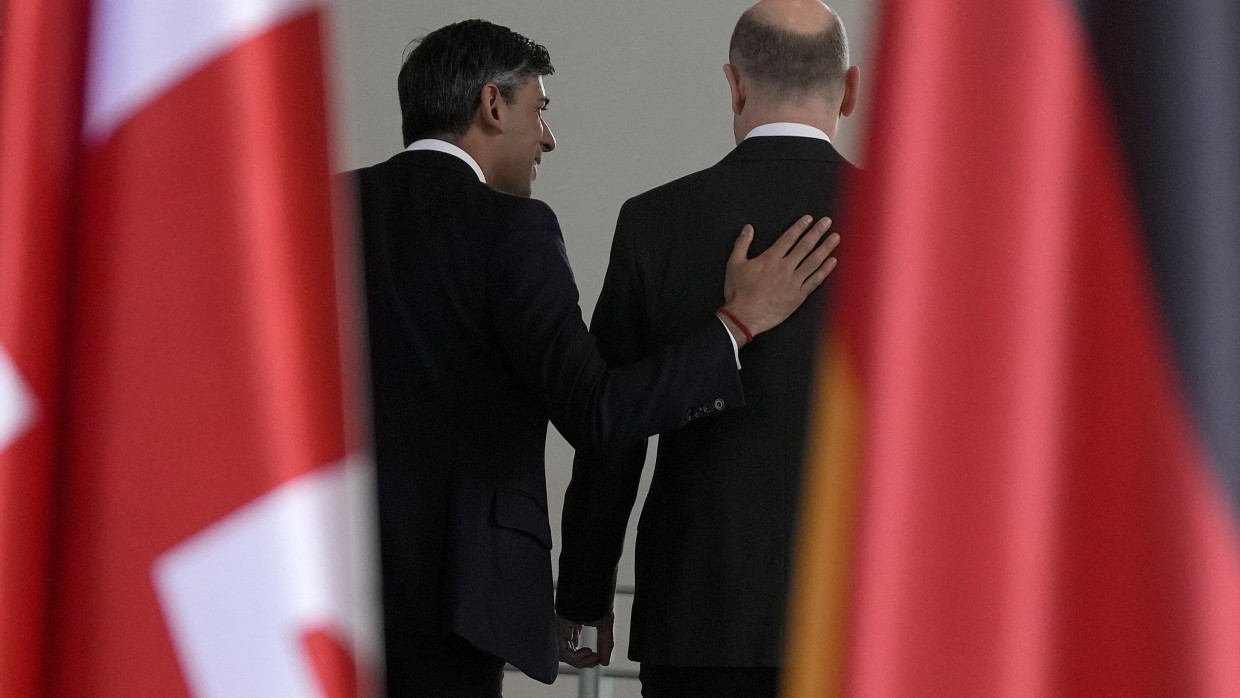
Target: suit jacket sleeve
604	485
533	297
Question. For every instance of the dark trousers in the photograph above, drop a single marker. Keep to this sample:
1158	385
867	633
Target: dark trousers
438	666
662	681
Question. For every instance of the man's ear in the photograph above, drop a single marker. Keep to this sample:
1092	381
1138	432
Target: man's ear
852	83
492	109
734	84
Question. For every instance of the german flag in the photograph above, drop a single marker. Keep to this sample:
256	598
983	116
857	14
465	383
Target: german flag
1025	477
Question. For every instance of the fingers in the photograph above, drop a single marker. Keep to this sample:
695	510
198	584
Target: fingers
606	642
570	632
819	276
790	236
583	658
740	249
809	240
815	259
570	653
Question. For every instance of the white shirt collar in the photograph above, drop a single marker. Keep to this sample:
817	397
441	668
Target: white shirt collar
787	128
446	147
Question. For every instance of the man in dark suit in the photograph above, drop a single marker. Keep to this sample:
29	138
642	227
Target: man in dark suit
714	542
476	340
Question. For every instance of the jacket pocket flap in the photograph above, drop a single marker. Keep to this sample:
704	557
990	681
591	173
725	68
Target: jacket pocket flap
519	511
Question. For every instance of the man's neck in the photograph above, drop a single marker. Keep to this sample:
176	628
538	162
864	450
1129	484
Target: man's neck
480	150
810	116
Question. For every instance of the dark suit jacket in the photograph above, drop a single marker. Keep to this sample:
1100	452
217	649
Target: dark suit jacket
714	542
476	340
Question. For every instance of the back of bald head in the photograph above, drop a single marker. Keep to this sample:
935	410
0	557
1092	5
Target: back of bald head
791	50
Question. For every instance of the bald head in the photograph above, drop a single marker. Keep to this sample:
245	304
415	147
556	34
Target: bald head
791	49
801	16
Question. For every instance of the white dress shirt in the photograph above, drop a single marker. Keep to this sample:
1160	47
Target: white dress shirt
446	147
787	128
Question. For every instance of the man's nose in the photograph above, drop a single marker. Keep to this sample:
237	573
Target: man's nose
548	138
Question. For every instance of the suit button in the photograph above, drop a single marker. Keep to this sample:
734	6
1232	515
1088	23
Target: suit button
689	416
719	403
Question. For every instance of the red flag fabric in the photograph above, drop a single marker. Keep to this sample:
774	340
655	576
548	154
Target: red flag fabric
40	120
183	503
1009	494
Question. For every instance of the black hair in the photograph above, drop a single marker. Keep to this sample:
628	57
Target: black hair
441	79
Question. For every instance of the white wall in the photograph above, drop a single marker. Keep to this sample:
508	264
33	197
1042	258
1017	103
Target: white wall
638	99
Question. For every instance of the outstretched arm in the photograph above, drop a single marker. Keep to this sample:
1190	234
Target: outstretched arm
538	322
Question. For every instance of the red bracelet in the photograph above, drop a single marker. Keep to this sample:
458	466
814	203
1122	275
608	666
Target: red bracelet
735	320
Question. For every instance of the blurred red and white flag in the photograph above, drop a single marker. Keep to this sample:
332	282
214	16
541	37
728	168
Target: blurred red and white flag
185	508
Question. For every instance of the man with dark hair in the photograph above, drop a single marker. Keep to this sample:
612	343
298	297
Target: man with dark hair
439	88
476	340
714	542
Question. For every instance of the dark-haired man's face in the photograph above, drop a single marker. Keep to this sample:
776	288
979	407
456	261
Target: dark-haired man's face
526	137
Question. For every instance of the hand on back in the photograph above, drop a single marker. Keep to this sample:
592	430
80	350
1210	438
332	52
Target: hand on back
762	292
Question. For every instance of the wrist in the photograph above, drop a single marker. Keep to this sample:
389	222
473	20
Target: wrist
740	330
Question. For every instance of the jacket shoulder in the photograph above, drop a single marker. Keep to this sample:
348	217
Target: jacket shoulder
676	190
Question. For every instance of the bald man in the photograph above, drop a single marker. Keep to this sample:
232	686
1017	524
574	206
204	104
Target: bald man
714	543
